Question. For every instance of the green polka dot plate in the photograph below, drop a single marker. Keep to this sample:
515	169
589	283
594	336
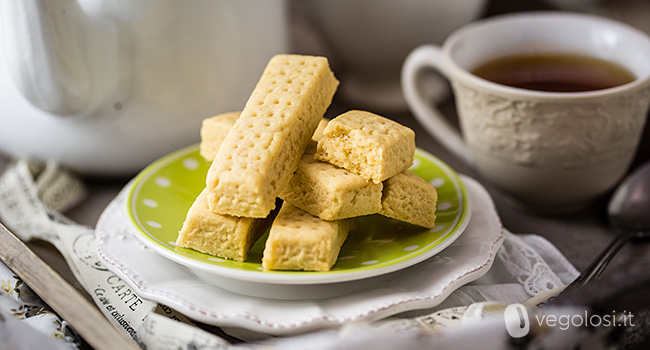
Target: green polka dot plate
163	192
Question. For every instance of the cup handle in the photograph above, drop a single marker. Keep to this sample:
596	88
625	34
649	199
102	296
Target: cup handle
427	114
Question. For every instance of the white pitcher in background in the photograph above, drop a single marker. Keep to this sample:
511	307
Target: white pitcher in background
105	87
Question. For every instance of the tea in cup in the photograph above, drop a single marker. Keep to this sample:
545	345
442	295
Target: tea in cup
551	105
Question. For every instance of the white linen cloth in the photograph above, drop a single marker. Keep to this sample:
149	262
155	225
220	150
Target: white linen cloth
525	266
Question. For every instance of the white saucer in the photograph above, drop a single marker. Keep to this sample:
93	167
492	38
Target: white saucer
423	285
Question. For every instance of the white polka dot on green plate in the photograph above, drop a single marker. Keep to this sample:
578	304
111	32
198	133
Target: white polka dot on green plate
156	208
444	206
150	203
437	228
415	165
154	224
163	182
437	182
383	241
190	163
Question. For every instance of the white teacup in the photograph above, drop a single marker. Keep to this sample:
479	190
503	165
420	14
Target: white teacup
551	151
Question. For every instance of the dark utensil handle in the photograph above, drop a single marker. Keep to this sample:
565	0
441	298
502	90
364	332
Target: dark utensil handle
600	263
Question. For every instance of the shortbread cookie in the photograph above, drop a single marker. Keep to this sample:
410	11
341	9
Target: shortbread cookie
300	241
368	145
214	131
261	152
330	192
407	197
224	236
318	134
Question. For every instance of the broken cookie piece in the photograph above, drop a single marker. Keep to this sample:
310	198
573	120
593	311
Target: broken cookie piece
368	145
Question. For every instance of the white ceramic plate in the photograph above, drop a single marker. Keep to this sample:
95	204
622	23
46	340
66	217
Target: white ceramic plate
423	285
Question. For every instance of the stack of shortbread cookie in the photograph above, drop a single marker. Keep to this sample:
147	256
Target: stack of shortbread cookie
280	146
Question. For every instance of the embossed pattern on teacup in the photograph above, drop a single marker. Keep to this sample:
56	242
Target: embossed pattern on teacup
552	133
